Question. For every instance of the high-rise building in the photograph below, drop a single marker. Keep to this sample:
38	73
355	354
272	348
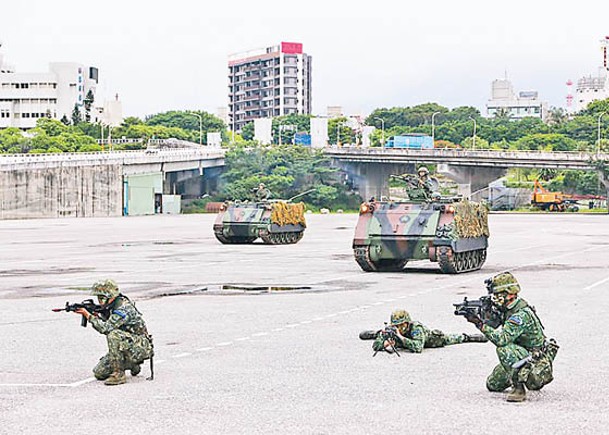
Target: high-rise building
268	82
25	97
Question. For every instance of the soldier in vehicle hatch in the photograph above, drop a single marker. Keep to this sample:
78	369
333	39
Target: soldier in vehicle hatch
262	193
414	336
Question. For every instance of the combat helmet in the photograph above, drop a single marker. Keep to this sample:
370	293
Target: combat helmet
106	289
424	170
399	316
503	282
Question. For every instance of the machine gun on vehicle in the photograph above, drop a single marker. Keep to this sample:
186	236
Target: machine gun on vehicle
481	308
88	305
388	334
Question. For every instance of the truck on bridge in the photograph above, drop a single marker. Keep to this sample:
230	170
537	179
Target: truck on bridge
410	141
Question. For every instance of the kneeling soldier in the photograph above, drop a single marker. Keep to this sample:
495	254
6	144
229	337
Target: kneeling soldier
129	343
414	336
525	355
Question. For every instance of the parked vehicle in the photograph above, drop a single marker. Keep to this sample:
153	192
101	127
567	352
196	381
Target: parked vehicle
411	141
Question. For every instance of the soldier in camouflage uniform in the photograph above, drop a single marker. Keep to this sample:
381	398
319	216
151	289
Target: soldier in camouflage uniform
129	343
422	187
262	193
414	336
525	355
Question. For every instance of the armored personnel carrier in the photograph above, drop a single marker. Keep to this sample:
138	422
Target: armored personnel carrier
276	222
448	230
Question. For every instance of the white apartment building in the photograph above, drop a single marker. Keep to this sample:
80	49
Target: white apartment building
268	82
26	97
516	106
592	88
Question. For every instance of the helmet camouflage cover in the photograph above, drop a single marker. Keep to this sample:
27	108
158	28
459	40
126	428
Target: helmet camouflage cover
399	316
503	282
106	288
423	169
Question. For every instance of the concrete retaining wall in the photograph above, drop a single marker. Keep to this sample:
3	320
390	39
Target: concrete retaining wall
64	191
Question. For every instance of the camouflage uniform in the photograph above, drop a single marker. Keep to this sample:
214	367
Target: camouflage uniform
424	186
262	193
128	341
525	355
418	336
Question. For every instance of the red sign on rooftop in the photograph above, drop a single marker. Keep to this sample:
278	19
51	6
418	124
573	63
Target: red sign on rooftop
291	47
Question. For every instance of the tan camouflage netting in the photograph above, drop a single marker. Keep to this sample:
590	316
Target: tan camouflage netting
471	219
284	214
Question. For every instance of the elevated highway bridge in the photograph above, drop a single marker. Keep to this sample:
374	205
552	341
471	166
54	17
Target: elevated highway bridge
472	169
100	184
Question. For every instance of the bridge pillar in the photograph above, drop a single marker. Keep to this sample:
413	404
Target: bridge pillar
471	178
372	179
604	178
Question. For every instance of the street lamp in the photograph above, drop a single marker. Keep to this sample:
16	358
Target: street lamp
474	138
382	131
433	128
338	133
200	126
110	137
598	143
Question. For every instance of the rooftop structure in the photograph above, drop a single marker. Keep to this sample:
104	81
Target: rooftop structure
504	101
594	87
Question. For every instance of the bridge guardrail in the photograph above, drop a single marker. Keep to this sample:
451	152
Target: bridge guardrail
125	156
498	158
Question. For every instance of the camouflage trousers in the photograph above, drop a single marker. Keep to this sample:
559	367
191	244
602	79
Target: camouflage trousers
125	350
437	338
503	374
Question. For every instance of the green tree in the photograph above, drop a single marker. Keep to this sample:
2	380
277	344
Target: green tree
347	134
247	132
287	170
88	103
76	115
185	120
12	140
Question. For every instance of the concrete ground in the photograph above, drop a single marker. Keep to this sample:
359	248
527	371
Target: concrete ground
240	362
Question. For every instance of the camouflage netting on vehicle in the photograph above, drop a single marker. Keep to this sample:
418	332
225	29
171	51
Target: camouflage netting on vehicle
284	214
471	219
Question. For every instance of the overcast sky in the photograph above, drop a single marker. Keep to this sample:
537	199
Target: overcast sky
164	55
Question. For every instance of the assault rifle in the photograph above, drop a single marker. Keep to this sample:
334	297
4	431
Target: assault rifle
88	305
482	308
388	333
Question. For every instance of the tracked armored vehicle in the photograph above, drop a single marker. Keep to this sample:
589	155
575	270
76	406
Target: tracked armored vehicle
450	231
276	222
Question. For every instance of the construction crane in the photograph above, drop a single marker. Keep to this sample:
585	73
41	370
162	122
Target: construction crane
552	201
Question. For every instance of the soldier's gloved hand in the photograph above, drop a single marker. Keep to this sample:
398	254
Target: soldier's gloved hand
83	312
472	318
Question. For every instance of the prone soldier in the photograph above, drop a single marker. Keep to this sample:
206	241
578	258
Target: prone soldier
414	336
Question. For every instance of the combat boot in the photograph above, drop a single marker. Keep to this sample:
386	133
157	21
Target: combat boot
367	335
118	375
518	393
135	369
474	338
